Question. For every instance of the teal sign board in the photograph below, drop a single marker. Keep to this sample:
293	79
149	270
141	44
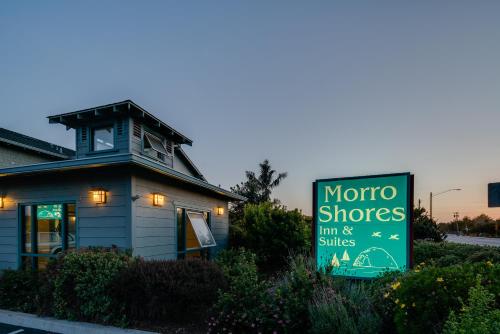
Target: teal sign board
51	211
362	225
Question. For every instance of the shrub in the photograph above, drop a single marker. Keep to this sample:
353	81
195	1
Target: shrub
272	232
426	228
235	263
245	307
294	289
479	317
82	281
422	299
433	253
260	306
175	290
349	311
20	290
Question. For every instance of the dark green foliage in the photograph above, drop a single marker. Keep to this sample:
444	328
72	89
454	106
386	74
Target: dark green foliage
257	188
81	284
20	290
447	253
176	291
285	304
426	228
246	306
422	299
478	317
349	311
273	233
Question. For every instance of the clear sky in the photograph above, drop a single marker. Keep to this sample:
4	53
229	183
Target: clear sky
321	88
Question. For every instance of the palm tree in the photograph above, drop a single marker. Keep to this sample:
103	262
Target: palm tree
256	189
267	180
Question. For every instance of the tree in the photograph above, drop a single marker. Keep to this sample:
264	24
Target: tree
424	227
257	188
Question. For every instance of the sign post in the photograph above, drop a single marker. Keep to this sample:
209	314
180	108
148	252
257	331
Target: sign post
363	225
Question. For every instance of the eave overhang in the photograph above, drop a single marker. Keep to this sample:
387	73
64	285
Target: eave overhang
116	159
128	107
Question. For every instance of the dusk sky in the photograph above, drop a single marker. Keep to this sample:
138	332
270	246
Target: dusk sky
321	88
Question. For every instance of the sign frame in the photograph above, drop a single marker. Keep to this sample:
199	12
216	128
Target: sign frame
409	208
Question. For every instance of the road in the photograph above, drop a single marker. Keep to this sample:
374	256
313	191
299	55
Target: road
473	240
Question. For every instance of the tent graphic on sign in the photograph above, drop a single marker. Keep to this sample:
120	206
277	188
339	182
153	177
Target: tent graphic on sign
375	257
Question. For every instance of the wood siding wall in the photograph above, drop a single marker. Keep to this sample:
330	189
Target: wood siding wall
97	225
154	229
12	156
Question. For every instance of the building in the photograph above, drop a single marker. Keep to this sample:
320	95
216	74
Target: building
128	184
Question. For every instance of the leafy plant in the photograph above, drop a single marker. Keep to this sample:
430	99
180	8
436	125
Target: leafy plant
175	290
422	299
272	232
82	281
348	311
478	317
426	228
20	290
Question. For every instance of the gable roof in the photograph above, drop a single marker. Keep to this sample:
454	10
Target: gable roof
188	162
128	107
33	144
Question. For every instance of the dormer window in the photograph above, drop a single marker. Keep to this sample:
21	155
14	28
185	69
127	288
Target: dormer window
103	138
154	147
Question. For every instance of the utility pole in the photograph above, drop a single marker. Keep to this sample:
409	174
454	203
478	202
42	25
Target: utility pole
442	192
455	215
430	206
419	201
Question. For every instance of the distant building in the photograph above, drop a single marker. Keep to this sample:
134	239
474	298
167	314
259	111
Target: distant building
129	183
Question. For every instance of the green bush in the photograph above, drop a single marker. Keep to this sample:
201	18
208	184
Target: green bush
175	290
348	311
246	306
433	253
254	305
235	263
421	300
478	317
426	228
294	289
82	282
272	233
20	290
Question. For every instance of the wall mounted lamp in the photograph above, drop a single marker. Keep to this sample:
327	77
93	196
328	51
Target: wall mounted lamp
158	199
99	196
220	211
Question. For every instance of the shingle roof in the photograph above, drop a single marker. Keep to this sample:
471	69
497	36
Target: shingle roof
33	144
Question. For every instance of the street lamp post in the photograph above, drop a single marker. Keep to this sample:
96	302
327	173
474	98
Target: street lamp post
440	193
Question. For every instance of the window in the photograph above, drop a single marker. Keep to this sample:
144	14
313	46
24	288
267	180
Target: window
103	138
194	238
153	147
46	230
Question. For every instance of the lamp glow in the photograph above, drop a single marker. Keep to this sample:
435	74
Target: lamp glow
1	202
99	196
158	199
220	211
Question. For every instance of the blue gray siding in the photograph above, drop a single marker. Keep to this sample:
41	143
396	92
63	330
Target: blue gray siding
83	147
11	156
154	228
97	225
